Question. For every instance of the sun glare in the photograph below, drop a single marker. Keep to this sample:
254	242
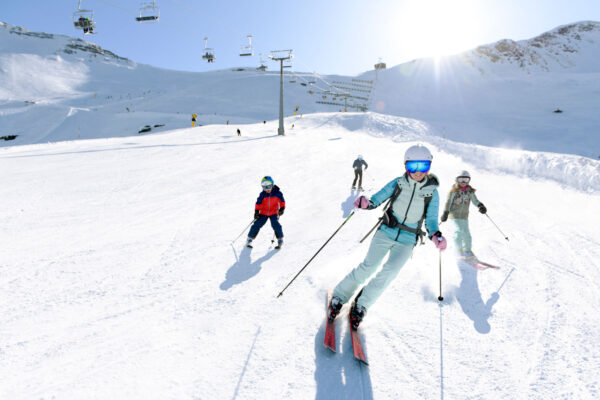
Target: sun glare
436	28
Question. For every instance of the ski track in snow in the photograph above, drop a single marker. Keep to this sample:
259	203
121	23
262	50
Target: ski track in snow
119	277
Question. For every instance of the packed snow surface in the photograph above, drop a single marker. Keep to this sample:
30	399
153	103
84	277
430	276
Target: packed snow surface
119	278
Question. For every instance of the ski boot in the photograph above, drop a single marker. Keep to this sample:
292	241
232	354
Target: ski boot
249	243
279	244
361	189
357	313
353	187
335	306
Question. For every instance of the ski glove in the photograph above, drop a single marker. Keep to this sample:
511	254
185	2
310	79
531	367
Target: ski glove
482	208
256	214
280	212
439	241
445	216
361	202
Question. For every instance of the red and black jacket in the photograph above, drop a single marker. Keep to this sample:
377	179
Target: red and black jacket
269	203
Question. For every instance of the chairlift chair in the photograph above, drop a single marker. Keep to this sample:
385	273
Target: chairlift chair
148	12
247	50
209	54
84	20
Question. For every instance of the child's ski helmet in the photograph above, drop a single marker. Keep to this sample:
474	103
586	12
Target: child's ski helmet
267	180
417	153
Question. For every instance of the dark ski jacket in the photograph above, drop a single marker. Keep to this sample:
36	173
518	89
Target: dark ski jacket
357	164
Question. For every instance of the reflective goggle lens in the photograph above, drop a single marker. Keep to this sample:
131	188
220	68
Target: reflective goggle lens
418	166
463	180
267	185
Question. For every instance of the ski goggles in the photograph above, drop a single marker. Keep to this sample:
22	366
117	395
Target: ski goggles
418	166
267	185
463	179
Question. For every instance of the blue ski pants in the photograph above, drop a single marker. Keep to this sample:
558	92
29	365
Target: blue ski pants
262	219
381	245
462	235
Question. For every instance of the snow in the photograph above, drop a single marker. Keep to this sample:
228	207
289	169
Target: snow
119	278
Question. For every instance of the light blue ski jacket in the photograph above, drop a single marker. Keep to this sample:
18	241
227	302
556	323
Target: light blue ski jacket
409	205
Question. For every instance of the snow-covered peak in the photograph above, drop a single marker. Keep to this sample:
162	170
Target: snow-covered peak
572	47
16	39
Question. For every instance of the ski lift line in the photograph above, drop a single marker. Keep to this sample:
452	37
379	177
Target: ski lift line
117	6
218	22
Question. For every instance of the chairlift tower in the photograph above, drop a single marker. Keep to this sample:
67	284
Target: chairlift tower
281	56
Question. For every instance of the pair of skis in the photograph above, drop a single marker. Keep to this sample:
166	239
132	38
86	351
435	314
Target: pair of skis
329	340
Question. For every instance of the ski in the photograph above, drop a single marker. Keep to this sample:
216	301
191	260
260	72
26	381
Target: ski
356	343
487	265
476	263
329	340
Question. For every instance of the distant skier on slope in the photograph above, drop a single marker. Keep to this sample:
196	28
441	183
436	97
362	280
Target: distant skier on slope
457	208
357	165
413	198
269	205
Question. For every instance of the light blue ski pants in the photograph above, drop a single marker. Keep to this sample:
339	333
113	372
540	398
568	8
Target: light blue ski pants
380	246
462	235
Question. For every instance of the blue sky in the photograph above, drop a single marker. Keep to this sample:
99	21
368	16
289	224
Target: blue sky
329	37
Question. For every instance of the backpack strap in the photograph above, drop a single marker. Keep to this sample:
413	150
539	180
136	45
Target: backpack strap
390	220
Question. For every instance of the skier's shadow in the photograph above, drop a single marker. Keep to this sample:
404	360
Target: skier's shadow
470	300
348	204
244	269
340	376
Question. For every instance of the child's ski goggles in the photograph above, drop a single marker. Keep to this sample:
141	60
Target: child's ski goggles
267	185
463	179
418	166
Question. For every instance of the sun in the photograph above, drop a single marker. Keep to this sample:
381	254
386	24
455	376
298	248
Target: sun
436	28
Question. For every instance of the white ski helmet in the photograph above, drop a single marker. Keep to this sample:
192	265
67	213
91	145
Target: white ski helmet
417	153
464	174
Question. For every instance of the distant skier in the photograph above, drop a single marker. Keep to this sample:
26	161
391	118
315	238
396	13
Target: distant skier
413	199
357	165
239	132
194	120
269	205
457	208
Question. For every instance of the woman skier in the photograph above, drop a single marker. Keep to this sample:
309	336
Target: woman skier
413	198
457	208
269	206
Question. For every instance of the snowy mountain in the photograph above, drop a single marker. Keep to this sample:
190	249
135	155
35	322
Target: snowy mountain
506	94
55	87
572	48
120	277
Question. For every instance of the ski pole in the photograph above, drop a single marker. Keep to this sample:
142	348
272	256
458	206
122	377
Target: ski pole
273	240
372	229
251	222
505	237
440	297
306	265
378	222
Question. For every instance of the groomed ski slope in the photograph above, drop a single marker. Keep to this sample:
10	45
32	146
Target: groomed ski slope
118	278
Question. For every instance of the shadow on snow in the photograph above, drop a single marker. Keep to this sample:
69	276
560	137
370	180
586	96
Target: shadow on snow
244	268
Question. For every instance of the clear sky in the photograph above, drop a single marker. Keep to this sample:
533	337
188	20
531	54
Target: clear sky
327	36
